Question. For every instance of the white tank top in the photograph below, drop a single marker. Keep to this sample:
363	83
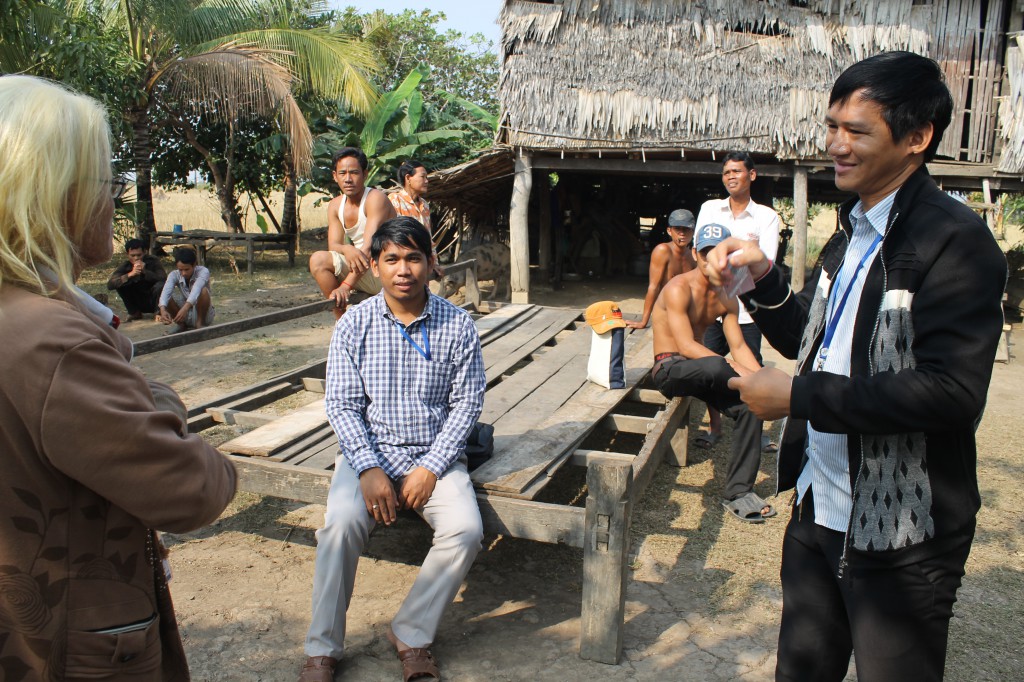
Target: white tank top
355	233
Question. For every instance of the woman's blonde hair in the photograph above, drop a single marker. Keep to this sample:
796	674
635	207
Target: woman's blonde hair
54	177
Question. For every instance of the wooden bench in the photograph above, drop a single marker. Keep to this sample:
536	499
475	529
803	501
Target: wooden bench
205	239
543	410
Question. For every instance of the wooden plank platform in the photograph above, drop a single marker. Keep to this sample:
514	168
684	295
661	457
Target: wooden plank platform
277	435
542	409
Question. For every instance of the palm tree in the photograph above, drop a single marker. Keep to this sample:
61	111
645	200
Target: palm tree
227	59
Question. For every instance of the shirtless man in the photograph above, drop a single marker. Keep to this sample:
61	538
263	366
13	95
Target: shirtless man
669	259
352	218
683	366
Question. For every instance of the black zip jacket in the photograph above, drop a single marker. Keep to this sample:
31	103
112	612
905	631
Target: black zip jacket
924	340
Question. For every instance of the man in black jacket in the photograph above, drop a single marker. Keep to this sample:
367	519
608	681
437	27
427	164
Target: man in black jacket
139	280
894	339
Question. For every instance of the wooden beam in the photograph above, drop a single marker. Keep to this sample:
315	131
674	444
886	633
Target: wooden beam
648	396
519	229
528	520
544	246
315	369
216	331
224	415
585	457
627	423
314	385
650	167
799	228
605	549
272	391
286	481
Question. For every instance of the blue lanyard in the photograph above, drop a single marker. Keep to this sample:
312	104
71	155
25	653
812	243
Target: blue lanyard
425	350
837	312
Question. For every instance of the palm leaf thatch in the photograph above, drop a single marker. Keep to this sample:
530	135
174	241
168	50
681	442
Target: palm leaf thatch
720	74
233	81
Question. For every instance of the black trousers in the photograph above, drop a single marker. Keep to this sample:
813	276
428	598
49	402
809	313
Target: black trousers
706	379
714	339
140	297
895	619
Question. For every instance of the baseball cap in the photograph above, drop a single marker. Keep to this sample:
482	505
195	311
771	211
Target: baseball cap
711	234
604	316
681	218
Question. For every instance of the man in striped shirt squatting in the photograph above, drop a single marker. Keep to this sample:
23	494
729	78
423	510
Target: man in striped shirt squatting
405	385
683	366
894	338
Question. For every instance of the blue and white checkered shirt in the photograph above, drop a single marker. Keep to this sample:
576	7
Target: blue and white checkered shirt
828	462
391	407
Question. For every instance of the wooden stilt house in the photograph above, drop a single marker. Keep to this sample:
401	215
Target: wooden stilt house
630	104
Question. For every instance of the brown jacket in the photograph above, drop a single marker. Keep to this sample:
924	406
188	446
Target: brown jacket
91	466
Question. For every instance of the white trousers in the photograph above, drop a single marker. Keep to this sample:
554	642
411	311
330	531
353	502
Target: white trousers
451	512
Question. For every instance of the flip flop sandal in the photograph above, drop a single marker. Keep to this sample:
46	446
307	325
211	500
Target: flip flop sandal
746	508
420	665
763	503
707	440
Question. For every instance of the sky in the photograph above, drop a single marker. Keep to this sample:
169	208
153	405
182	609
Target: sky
466	16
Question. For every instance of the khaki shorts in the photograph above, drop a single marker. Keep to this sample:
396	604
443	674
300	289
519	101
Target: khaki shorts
367	283
190	317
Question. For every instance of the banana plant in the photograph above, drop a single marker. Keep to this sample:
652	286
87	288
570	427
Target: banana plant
388	134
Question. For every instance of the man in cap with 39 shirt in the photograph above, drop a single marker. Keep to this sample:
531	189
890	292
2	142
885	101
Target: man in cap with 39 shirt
683	366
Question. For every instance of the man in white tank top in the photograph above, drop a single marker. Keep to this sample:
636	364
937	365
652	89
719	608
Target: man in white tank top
352	218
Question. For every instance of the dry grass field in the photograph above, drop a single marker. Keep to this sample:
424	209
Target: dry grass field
197	209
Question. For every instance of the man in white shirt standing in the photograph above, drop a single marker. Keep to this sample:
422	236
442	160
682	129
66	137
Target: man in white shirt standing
749	221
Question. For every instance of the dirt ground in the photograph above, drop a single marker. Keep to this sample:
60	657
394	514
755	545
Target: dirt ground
703	598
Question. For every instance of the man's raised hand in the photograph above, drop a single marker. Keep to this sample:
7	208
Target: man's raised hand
738	253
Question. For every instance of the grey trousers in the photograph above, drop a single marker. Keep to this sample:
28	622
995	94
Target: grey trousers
451	512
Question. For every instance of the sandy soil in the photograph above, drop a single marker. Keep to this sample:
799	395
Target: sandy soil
703	598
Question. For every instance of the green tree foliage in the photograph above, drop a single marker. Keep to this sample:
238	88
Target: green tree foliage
182	61
460	88
390	133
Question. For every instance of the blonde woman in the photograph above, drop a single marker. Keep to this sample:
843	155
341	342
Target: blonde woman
94	457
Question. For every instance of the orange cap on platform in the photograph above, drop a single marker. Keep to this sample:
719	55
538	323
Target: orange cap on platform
604	316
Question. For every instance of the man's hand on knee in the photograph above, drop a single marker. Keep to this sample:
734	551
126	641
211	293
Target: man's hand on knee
358	262
340	295
416	489
379	495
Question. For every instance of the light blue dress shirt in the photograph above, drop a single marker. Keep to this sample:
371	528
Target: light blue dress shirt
828	464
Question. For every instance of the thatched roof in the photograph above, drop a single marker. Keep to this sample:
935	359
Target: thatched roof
724	74
479	187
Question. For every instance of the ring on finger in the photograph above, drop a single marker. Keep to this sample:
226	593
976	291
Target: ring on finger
376	506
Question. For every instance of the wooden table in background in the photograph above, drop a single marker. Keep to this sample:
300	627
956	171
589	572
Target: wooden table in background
205	239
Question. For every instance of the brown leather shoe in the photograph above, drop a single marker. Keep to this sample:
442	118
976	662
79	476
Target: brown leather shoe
318	669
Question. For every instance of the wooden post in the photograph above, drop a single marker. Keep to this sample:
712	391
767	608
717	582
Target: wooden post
678	451
250	257
544	251
605	550
799	227
519	229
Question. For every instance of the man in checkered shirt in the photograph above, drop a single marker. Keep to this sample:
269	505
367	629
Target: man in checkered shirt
405	385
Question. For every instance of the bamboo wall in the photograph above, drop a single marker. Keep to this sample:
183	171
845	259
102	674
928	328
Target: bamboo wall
721	74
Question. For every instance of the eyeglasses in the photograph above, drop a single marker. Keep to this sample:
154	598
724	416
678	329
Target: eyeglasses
117	187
